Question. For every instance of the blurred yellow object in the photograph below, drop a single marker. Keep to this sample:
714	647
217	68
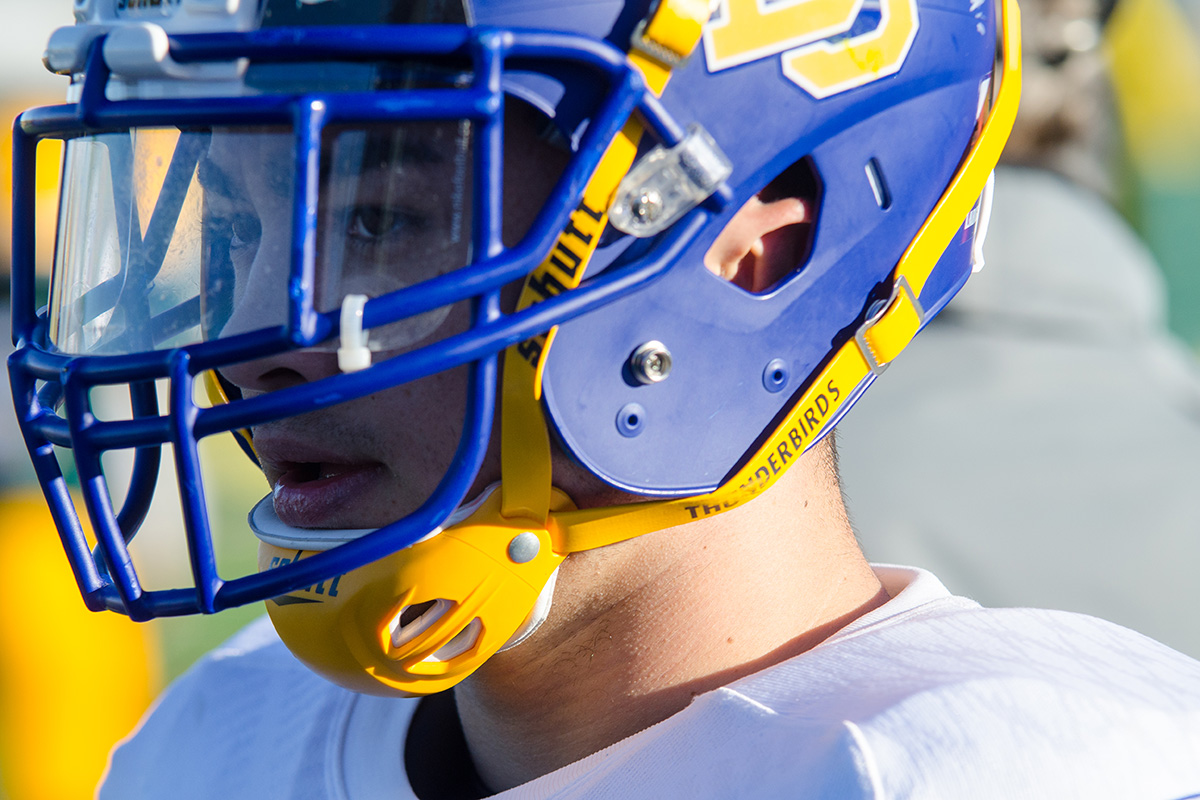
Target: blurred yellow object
49	164
72	682
1155	58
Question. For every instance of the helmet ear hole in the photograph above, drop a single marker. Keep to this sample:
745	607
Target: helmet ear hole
794	242
771	236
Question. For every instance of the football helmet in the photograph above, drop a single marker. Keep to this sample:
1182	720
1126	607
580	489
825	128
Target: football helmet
248	180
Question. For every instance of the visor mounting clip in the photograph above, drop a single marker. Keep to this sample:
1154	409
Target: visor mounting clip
353	354
667	183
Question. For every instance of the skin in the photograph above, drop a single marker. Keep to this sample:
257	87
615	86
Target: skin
639	628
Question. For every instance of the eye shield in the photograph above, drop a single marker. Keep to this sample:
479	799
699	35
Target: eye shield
169	237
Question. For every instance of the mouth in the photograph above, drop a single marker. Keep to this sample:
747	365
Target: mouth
321	494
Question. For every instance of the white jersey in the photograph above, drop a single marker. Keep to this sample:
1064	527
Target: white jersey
928	696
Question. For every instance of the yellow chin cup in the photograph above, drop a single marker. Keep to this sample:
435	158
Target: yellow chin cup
424	618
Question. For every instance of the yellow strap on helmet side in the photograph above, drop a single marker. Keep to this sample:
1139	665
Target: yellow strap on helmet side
217	396
666	38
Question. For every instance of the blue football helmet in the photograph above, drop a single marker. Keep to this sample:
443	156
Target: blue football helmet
484	203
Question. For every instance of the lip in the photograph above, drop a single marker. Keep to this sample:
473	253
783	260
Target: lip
312	486
320	503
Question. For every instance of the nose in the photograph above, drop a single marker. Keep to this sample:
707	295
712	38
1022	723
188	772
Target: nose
287	369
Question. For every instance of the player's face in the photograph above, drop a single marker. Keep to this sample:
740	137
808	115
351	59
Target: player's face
394	211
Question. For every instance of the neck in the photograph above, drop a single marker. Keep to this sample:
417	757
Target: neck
640	628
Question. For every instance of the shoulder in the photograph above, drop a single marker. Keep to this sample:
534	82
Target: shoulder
244	721
931	696
948	699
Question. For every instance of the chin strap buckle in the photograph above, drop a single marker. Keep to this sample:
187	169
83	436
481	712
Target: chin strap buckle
890	327
669	33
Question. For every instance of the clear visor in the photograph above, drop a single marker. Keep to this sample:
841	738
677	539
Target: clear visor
169	237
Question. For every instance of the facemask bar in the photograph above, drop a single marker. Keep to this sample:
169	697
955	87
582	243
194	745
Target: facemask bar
187	423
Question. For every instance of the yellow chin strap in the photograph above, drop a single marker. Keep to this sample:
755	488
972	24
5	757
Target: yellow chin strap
423	619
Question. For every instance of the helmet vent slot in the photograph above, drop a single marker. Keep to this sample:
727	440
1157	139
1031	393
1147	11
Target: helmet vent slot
463	641
415	619
883	196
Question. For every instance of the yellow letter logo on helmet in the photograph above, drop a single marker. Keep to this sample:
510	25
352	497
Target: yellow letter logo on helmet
742	31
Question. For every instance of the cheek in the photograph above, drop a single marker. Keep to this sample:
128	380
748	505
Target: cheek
420	424
260	285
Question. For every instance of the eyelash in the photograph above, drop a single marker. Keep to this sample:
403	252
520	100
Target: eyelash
372	223
367	224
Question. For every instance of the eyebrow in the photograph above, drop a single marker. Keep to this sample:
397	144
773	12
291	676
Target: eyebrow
214	177
413	150
421	152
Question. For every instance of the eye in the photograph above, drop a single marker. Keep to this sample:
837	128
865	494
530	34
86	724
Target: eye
247	229
374	222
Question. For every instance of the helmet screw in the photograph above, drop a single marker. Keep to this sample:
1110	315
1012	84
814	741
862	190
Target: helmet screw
650	362
524	547
648	206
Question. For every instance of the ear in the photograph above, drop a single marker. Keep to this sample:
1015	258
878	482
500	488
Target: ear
761	244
